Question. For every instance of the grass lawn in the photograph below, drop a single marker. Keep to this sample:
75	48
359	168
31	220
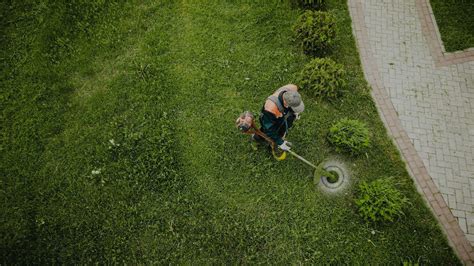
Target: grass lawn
118	142
455	22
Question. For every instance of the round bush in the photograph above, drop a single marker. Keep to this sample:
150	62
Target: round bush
380	200
350	136
313	4
322	77
315	31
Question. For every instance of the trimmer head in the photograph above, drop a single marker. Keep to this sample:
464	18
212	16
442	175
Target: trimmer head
332	176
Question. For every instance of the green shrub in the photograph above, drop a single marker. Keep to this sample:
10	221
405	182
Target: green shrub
312	4
380	200
322	77
350	136
315	31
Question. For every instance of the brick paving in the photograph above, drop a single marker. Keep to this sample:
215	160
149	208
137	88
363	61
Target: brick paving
425	97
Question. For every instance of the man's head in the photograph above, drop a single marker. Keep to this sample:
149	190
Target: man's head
293	99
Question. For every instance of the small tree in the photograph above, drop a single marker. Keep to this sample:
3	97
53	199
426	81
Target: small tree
322	77
350	136
315	31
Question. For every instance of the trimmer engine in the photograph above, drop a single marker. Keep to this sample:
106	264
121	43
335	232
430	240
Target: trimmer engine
245	121
246	124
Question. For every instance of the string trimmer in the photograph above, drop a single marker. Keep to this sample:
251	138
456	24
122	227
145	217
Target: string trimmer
246	124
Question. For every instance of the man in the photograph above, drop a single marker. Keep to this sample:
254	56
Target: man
278	114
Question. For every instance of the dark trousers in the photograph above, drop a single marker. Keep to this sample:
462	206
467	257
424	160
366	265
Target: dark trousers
281	130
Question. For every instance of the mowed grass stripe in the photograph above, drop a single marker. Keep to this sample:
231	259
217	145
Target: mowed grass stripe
123	133
100	178
219	58
236	180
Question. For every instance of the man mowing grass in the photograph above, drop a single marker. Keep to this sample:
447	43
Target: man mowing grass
279	112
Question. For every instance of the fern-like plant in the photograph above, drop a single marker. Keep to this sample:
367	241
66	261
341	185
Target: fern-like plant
351	136
322	77
312	4
380	200
315	31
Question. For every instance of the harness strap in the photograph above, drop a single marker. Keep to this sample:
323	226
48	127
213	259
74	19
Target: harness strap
276	101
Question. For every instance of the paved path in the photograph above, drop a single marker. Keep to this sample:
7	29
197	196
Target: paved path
426	99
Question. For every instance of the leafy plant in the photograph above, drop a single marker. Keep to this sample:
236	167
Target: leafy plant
322	77
315	31
350	136
380	200
313	4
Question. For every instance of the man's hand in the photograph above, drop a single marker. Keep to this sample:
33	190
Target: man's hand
297	116
285	146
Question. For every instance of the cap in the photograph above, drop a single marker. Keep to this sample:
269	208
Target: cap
293	99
